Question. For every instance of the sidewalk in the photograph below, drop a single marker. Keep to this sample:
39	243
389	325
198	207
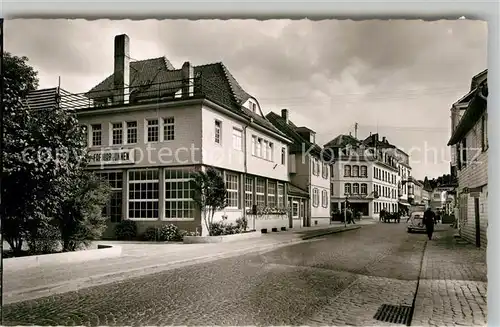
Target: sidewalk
140	259
453	284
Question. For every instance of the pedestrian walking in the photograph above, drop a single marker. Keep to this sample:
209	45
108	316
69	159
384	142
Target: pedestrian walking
429	221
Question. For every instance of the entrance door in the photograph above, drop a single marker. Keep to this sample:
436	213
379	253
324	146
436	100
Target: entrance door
477	221
302	211
295	214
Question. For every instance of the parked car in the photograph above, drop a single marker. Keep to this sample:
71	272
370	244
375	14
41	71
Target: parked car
416	222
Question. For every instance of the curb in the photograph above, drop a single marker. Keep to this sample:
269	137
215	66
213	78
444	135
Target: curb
102	279
328	232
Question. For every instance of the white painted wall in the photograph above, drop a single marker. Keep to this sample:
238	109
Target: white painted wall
225	156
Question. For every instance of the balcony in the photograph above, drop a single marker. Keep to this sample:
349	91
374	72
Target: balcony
147	93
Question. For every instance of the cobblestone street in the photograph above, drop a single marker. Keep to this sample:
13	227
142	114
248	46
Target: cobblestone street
339	280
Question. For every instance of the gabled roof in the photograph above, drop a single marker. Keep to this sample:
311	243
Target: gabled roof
342	141
477	106
299	142
219	85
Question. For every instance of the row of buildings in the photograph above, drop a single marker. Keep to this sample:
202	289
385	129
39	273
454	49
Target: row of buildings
469	164
150	125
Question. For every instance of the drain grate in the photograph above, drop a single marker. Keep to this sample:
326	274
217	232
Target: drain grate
396	314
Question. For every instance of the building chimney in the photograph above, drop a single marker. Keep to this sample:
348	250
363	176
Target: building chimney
384	139
284	115
187	80
121	75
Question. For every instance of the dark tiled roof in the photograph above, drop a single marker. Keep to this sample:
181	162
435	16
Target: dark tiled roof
295	190
374	141
342	141
477	106
43	99
218	85
291	131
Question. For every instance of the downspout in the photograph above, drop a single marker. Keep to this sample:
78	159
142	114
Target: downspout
245	170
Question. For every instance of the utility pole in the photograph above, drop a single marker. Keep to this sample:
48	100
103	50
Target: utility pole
355	130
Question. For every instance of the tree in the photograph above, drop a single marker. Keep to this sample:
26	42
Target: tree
210	194
19	189
44	153
80	218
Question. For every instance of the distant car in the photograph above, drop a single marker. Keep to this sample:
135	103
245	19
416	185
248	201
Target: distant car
416	222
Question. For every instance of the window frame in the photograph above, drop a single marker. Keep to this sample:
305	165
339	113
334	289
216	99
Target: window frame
346	187
249	191
129	129
324	198
218	132
185	178
237	138
168	135
347	168
151	127
229	180
260	195
119	134
93	131
131	181
315	197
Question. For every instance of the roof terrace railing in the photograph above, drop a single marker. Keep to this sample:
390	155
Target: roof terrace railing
146	93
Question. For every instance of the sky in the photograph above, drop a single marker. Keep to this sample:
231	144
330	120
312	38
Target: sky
395	77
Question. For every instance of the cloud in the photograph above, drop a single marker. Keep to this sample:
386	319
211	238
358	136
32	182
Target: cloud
398	76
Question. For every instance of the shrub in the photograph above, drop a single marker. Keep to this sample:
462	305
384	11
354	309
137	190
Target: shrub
242	223
170	233
220	228
46	240
126	230
151	234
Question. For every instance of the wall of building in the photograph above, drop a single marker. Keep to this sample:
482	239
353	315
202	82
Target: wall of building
475	174
224	154
184	149
387	201
191	145
319	190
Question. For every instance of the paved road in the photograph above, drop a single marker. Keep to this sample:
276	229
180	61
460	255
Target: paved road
341	279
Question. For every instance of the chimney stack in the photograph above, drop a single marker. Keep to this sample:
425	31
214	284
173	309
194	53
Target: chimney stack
384	139
187	80
121	75
284	115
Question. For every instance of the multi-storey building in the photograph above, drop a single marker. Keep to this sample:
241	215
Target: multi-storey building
396	163
470	140
363	177
415	191
150	125
310	169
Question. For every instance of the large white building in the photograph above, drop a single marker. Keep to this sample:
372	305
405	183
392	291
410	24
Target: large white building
363	176
150	125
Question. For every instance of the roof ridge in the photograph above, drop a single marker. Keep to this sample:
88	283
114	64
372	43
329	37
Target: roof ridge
227	74
209	64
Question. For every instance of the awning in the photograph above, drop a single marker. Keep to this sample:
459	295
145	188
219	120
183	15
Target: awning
404	203
297	191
